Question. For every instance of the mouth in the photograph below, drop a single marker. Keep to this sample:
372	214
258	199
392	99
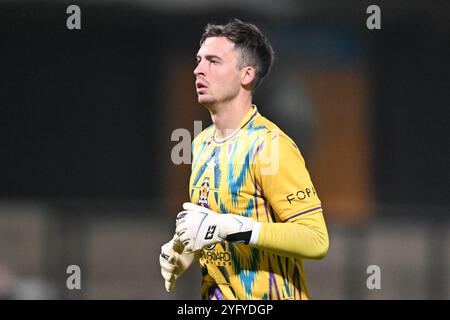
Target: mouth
200	85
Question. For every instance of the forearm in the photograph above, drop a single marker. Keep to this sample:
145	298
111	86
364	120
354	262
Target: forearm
306	238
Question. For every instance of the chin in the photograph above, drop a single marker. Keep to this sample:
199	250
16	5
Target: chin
205	100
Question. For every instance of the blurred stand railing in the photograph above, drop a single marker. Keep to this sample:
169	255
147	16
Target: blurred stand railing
116	244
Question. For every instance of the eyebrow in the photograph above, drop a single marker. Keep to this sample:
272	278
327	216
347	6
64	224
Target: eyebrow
209	57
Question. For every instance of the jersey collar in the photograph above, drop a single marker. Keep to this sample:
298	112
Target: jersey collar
244	122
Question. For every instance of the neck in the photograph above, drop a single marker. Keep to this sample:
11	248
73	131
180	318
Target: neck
226	118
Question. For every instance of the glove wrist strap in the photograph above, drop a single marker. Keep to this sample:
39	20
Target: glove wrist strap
240	237
246	237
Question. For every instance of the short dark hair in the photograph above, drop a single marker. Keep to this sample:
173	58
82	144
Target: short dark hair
255	48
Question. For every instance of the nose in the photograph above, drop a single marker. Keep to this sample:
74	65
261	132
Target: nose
199	70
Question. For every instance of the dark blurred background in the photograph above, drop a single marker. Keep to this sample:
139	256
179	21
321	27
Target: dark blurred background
86	118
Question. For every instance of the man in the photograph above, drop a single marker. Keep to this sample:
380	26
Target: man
254	213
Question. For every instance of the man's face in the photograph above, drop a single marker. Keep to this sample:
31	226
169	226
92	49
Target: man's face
217	77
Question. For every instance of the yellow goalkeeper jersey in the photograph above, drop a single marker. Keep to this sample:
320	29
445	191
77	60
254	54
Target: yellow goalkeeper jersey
257	172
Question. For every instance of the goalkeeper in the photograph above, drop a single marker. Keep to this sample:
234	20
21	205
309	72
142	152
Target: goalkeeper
254	213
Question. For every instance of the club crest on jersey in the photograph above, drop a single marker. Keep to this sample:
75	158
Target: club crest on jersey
204	192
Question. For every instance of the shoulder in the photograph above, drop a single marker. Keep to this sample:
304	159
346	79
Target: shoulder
270	132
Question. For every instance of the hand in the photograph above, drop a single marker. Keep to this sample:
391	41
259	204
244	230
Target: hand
174	261
199	227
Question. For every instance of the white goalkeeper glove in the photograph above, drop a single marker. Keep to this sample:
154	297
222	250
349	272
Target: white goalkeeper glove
174	261
199	227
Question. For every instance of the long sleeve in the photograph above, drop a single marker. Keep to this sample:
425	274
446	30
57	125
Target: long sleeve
305	238
299	228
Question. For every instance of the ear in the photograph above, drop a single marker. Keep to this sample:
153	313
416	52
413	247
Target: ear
248	76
